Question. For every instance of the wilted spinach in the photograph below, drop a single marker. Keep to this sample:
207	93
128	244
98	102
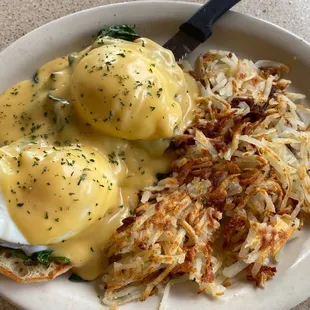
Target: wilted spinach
75	278
42	257
124	32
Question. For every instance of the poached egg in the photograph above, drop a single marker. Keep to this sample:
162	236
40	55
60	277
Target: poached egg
81	140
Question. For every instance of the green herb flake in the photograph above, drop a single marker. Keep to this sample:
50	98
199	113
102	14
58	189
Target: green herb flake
34	128
159	92
112	158
82	178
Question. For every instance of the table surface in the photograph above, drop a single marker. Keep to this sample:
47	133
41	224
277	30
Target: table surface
17	17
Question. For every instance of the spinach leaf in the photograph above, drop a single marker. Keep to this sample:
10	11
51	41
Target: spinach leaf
43	257
75	278
16	253
61	259
124	32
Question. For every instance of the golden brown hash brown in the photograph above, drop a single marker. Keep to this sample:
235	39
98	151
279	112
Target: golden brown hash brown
237	194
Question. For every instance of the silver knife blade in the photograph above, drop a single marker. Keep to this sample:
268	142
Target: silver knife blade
181	45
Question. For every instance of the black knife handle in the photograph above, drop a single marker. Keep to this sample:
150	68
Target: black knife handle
199	26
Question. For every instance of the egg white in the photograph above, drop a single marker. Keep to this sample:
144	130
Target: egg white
10	235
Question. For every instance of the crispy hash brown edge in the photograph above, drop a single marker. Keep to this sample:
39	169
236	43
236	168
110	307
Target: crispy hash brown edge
246	123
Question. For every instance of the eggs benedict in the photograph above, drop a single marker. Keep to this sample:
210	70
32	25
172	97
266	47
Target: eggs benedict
80	141
57	191
120	88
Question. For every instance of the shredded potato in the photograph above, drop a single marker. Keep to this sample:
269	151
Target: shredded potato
237	194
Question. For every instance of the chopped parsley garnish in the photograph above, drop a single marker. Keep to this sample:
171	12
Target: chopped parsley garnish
34	127
159	92
122	155
82	178
112	158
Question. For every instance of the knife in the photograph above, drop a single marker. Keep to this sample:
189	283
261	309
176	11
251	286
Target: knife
198	28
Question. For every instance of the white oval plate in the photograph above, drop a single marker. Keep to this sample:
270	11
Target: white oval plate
249	37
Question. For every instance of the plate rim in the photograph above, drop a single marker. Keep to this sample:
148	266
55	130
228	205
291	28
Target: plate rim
133	3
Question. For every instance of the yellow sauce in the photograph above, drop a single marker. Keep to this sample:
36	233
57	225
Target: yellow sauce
81	140
48	186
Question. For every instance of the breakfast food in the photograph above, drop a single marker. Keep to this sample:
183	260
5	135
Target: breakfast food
114	161
73	157
238	191
19	268
149	94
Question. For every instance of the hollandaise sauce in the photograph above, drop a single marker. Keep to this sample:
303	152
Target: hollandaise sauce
80	140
